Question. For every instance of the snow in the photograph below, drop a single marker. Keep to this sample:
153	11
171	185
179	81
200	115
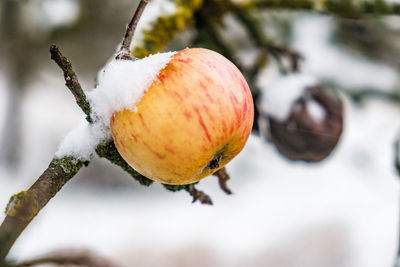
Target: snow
350	202
58	13
80	142
315	110
325	61
154	10
121	84
277	209
278	98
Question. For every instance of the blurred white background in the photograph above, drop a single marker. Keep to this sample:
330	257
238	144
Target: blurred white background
341	212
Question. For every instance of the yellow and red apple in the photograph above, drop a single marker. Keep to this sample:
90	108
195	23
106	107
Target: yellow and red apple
194	118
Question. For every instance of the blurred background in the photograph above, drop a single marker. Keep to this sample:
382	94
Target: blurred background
342	211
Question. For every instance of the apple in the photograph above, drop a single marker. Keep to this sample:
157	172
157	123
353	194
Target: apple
313	126
195	117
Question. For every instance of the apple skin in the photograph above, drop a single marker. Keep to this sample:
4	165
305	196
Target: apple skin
199	108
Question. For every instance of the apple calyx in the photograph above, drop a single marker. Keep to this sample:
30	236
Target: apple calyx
214	163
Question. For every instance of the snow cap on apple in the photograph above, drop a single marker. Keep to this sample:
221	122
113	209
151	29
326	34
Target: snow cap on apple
194	118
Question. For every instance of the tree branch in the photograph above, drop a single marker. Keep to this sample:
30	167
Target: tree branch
71	80
191	189
24	206
125	50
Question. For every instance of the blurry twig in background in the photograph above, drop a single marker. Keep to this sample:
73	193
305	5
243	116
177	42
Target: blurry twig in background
69	257
254	27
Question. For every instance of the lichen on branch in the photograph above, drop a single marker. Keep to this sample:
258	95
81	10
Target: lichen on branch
24	206
164	28
110	152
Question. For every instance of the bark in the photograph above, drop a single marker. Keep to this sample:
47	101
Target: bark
24	206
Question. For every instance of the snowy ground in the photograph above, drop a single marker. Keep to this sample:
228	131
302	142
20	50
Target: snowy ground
343	212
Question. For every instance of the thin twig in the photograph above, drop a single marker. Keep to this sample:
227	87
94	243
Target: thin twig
125	50
190	188
223	178
212	32
198	195
253	26
70	257
71	80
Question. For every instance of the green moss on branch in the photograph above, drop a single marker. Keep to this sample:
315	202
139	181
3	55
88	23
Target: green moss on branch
110	152
165	28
